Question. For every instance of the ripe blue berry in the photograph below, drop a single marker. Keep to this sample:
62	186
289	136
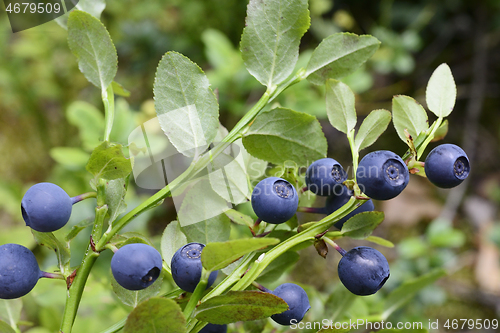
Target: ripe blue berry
382	175
335	201
46	207
363	270
19	271
136	266
447	166
213	328
297	300
274	200
186	267
324	176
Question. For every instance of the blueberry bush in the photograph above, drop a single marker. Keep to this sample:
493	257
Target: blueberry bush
237	230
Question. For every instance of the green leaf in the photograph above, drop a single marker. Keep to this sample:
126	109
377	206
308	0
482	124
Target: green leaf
239	306
340	55
93	7
239	218
107	161
371	128
340	106
49	240
75	230
408	114
380	241
271	38
362	225
156	315
220	51
130	238
278	267
89	121
441	92
172	239
135	297
92	46
218	255
215	229
338	303
281	135
10	311
119	90
70	157
404	293
186	106
114	193
6	328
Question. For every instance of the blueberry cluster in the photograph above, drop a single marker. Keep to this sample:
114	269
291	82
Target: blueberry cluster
45	207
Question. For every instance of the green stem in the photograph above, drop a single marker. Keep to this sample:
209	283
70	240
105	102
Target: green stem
355	153
306	235
429	138
76	289
262	262
334	245
149	203
108	99
83	196
423	145
196	296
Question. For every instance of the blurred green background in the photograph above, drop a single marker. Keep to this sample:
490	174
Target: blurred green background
43	136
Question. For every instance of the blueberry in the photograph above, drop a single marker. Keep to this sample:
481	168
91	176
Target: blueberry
186	267
19	271
213	328
297	300
382	175
447	166
136	266
46	207
274	200
337	200
363	270
324	176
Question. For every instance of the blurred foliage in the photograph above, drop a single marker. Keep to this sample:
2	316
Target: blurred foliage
45	103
